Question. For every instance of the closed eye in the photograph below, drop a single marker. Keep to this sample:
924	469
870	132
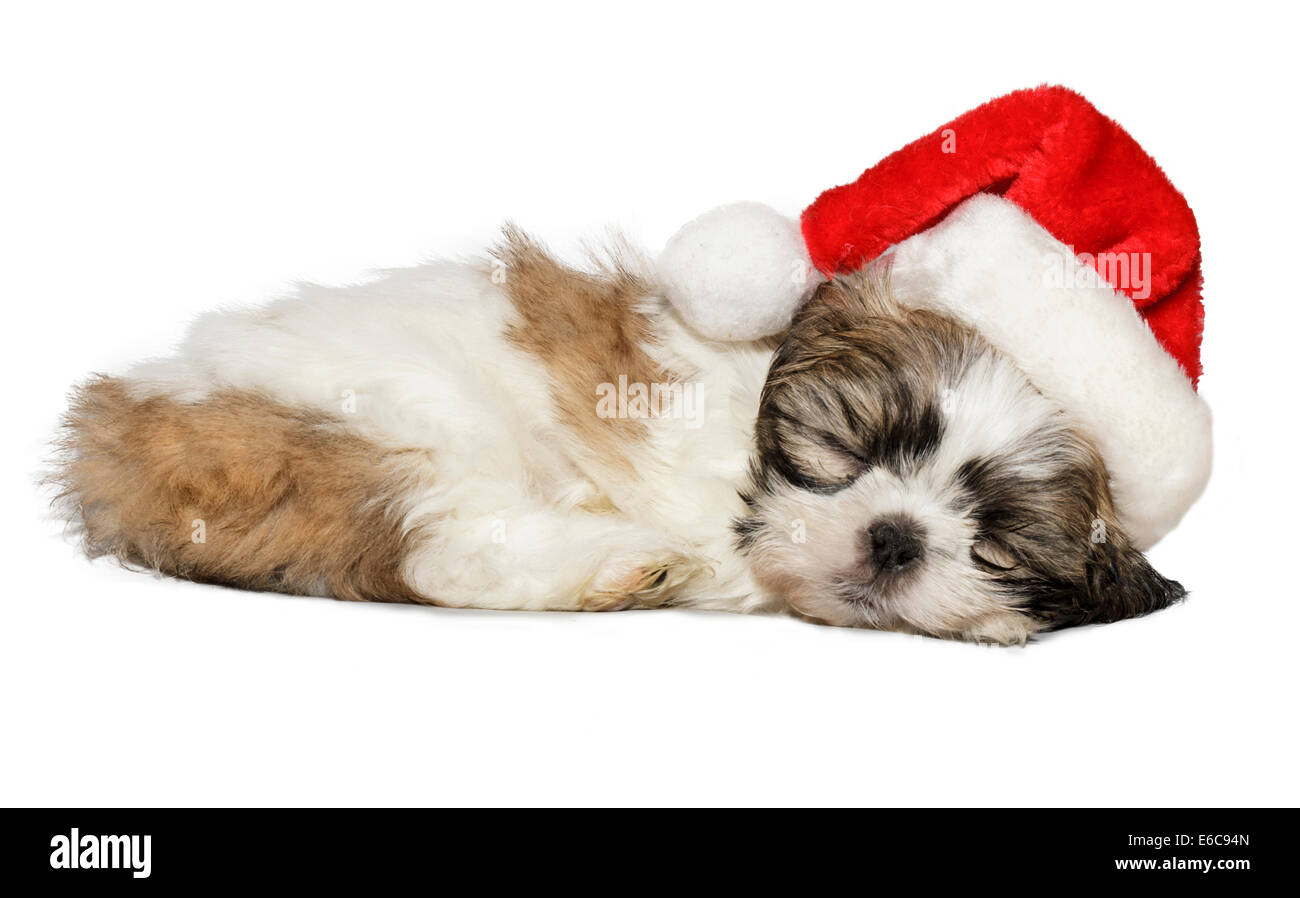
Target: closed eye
834	444
815	459
834	463
991	557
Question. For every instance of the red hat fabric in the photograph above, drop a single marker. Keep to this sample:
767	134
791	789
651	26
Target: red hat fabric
1036	221
1075	171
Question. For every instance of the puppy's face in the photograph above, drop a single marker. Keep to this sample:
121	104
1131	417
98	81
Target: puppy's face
908	477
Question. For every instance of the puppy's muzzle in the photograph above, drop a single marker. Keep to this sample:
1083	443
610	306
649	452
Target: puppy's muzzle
893	544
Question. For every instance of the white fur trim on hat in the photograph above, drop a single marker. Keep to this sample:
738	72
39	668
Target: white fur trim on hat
738	272
988	263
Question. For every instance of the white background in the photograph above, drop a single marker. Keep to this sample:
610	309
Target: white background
158	161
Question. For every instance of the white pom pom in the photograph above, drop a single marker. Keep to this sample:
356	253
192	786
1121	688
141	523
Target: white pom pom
739	272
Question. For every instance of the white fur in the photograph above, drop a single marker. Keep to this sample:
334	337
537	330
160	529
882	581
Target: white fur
738	272
515	513
990	264
810	546
513	516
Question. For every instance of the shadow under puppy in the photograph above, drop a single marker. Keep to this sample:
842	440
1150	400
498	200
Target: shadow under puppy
525	435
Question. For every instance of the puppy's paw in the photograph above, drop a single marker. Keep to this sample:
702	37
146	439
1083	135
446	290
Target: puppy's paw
1006	628
638	580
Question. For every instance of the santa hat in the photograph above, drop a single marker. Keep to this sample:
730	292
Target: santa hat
1038	221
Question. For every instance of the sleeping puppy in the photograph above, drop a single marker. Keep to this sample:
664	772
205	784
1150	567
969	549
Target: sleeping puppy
519	434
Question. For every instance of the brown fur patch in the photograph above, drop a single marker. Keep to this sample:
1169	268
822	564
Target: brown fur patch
289	499
859	384
586	329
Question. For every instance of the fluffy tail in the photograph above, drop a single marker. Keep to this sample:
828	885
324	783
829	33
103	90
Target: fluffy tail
238	489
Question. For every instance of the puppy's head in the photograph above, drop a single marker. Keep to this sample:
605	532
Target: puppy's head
908	477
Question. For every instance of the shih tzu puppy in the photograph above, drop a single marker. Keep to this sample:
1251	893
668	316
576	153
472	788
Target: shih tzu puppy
947	495
520	434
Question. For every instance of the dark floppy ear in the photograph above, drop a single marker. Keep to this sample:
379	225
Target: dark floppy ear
1121	584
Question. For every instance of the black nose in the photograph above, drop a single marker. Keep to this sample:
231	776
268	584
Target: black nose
893	543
